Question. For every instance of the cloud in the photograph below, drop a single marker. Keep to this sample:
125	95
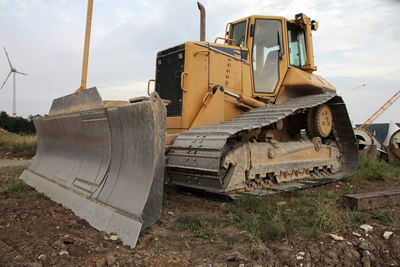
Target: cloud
364	101
356	42
124	91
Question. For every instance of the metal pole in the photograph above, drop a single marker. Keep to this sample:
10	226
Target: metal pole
232	94
14	97
86	48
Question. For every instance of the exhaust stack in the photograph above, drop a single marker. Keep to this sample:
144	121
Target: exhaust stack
202	21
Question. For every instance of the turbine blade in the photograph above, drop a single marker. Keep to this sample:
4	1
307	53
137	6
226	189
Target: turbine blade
5	80
21	73
9	62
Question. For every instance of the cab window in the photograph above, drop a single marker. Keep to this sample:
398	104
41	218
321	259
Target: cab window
238	33
297	46
266	51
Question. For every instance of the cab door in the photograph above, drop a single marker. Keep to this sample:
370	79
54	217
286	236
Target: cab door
268	55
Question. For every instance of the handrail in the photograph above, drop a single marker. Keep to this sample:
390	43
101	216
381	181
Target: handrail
183	80
148	85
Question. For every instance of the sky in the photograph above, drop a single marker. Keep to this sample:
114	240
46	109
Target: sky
358	42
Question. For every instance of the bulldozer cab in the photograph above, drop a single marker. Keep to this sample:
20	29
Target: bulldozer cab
275	45
263	59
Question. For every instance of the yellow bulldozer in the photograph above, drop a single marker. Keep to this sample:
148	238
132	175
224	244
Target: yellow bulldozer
242	115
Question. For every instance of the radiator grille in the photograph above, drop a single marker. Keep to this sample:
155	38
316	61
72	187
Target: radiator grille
169	67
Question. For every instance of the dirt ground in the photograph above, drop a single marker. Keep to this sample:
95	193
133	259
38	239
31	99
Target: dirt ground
35	231
14	162
10	158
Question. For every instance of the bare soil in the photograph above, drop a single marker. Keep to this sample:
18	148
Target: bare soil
13	156
35	231
14	162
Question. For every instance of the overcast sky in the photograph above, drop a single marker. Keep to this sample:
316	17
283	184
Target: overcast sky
357	42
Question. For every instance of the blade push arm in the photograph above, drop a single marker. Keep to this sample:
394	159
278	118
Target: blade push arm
86	49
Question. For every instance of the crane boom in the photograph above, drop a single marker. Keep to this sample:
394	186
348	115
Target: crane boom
381	110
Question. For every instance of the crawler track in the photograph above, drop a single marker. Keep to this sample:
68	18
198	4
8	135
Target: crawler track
194	160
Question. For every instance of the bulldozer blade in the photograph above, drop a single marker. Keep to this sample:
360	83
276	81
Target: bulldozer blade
105	164
83	100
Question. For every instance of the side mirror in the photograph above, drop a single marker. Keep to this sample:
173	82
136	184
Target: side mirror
314	25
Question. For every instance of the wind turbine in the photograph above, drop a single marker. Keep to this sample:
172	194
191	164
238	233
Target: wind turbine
13	71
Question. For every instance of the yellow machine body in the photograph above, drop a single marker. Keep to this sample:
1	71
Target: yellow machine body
222	135
210	65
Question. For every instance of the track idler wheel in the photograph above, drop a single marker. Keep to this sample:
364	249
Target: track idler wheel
319	122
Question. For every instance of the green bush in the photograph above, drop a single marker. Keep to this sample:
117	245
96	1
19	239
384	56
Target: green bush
370	169
18	125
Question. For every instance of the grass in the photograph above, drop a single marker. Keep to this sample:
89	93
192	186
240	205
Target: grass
214	230
306	214
24	145
17	189
39	195
201	227
11	186
10	172
302	216
312	213
374	170
75	226
227	241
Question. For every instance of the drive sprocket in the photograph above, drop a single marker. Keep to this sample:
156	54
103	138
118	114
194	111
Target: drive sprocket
319	122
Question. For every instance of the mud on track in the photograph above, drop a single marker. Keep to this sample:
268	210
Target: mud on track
35	231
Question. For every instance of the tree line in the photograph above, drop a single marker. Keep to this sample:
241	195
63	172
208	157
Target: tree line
17	125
